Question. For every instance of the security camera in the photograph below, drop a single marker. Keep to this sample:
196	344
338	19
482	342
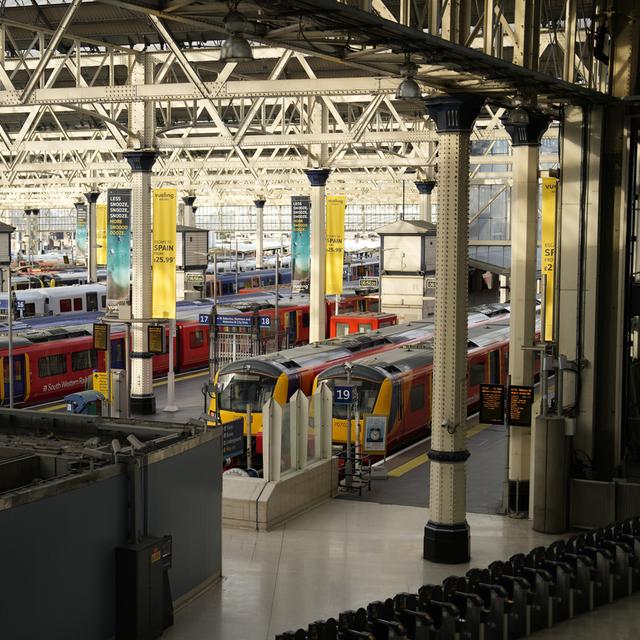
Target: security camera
445	424
116	446
134	442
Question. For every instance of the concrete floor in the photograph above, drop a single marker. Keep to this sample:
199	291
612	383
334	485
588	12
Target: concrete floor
345	554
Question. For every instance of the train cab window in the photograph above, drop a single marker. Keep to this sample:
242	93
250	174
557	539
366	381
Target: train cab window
417	397
65	305
305	320
342	329
239	390
55	365
363	327
83	360
92	301
196	339
476	374
373	305
29	310
77	304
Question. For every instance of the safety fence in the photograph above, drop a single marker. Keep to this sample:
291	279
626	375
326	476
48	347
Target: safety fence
297	434
511	599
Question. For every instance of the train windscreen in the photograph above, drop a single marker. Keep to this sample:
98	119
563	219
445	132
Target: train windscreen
237	390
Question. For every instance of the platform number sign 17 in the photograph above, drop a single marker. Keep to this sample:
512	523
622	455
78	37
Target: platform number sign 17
343	395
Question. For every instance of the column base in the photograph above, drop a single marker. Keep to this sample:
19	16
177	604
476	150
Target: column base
446	543
521	490
143	405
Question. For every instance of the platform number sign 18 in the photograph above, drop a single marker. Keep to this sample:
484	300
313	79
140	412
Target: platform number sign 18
343	395
265	321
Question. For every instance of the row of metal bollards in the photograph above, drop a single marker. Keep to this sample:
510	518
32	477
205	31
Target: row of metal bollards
508	600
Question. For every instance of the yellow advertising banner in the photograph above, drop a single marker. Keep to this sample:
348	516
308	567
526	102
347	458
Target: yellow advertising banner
548	248
334	261
163	255
101	234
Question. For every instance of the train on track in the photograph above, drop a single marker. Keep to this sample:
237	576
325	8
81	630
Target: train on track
51	361
251	382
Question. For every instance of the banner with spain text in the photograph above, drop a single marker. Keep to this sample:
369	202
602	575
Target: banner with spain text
163	255
334	260
101	234
548	244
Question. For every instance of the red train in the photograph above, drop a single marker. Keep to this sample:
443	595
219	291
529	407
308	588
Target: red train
50	363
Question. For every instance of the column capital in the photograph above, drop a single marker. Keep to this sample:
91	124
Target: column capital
528	134
35	212
189	200
425	187
317	177
92	196
141	160
454	113
79	204
27	211
259	203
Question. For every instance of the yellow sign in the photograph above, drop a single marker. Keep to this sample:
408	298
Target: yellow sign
548	248
99	383
101	234
164	253
335	244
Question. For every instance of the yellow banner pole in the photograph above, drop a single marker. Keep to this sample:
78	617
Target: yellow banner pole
334	261
164	253
548	248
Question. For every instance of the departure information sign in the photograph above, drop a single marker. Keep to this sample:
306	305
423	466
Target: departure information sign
492	403
519	406
233	438
100	336
156	339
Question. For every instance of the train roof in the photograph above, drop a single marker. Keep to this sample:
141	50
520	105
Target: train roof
293	359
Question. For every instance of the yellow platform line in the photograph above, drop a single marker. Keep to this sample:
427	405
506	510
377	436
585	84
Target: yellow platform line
422	458
159	383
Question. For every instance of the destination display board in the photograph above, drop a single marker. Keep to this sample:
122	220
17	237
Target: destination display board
519	406
100	336
492	403
233	438
156	339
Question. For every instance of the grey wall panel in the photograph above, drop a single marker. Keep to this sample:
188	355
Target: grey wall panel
185	500
57	578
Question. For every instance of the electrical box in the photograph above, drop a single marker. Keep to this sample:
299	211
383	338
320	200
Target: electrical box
143	597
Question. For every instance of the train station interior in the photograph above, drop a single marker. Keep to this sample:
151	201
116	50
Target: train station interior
319	319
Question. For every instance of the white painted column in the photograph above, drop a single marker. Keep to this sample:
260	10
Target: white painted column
317	304
446	534
189	216
259	204
525	140
425	187
143	400
92	237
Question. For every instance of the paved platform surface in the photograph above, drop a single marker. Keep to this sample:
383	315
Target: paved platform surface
345	554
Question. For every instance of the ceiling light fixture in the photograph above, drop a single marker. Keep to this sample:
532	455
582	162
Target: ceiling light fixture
518	116
408	89
235	48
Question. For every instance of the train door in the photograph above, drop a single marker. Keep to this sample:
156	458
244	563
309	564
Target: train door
18	378
291	328
476	373
494	367
117	354
92	301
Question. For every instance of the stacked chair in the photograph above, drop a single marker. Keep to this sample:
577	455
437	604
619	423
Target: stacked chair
507	600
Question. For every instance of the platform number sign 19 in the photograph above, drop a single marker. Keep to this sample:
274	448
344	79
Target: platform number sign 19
343	395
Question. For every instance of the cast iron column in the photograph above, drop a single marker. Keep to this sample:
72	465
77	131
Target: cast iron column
142	399
425	187
317	298
92	238
259	232
525	140
446	535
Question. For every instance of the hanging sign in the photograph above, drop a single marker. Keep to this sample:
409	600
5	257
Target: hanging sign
164	253
300	243
548	247
81	228
519	404
119	247
491	404
100	336
156	339
334	259
101	234
375	434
